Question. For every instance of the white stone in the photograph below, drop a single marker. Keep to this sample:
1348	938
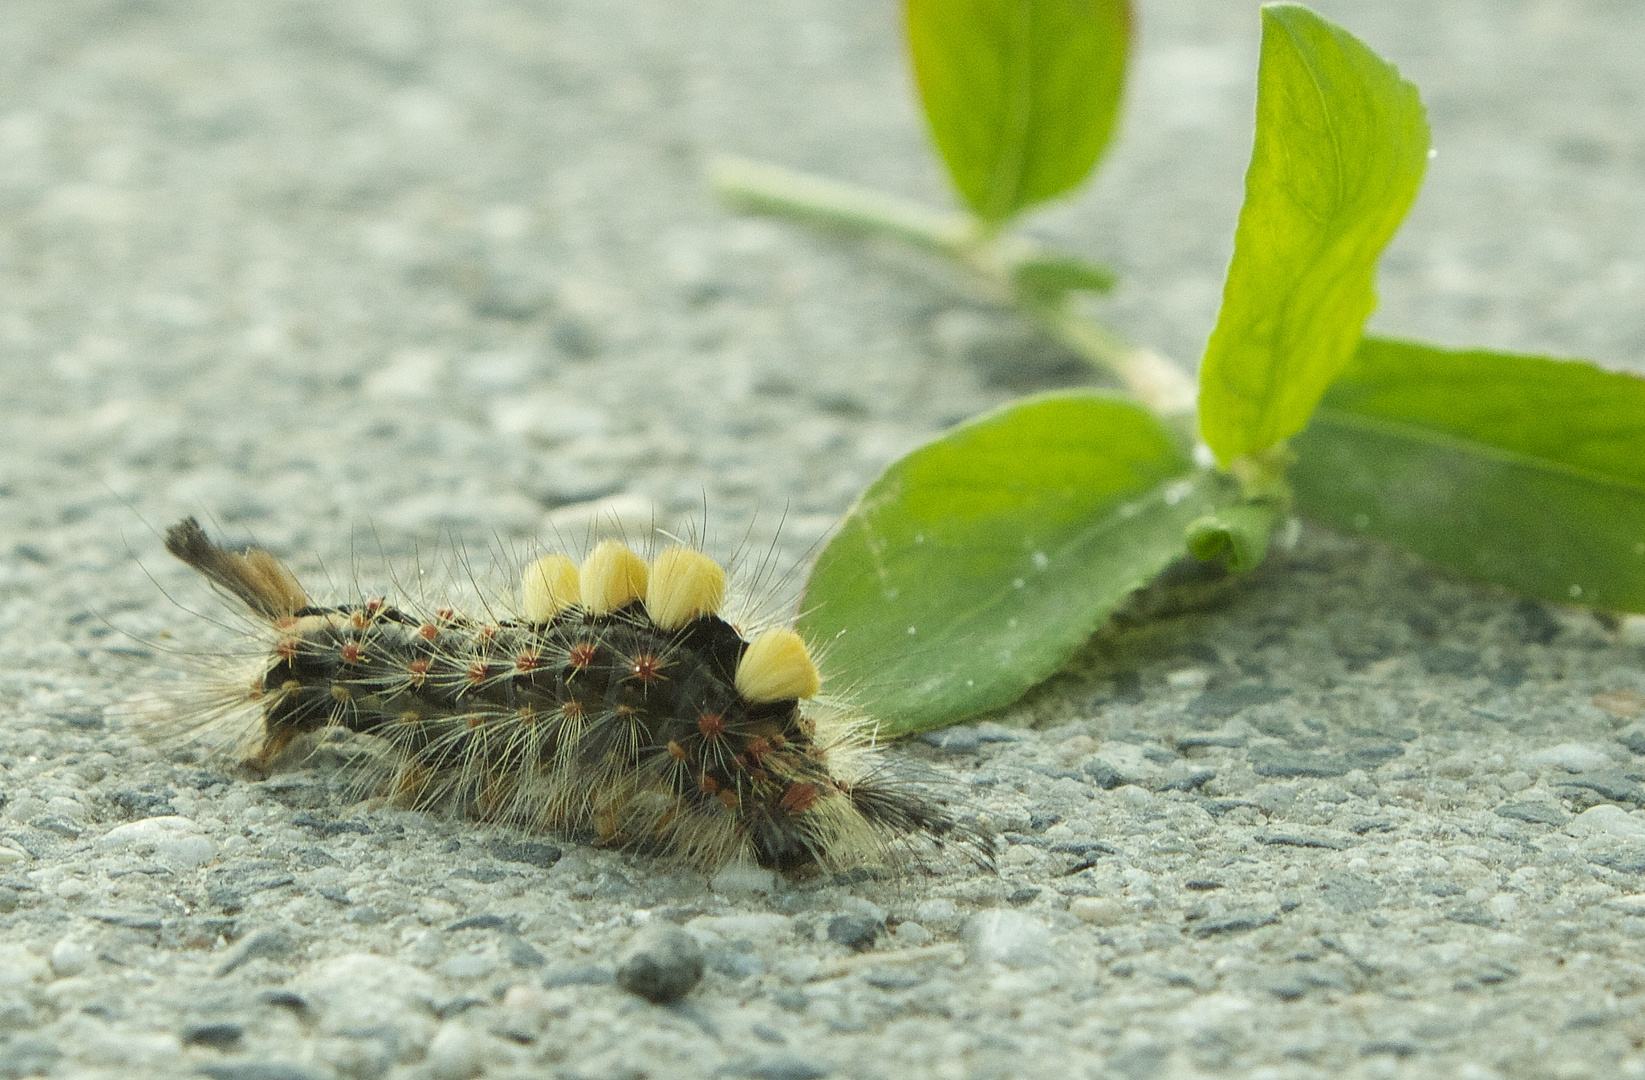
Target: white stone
147	832
69	888
65	807
470	965
1098	910
1212	1011
96	1043
1571	756
1020	855
186	851
361	991
455	1053
759	927
19	967
11	854
911	935
1133	796
1002	936
1126	760
24	808
70	957
546	417
857	905
743	878
935	911
1191	678
1608	820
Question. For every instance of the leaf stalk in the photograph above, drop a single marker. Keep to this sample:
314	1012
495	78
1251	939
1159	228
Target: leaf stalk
991	256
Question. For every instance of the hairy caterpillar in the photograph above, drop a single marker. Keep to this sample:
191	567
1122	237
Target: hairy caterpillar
615	703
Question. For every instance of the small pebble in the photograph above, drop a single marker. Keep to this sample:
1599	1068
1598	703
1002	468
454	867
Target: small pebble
936	911
70	957
1608	820
219	1035
1571	756
8	900
455	1053
1008	937
912	935
743	878
1098	910
854	931
661	963
266	944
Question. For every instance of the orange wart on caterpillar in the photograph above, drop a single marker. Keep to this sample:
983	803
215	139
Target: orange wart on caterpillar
615	704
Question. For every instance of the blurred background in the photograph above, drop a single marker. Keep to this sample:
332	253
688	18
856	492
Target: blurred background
446	268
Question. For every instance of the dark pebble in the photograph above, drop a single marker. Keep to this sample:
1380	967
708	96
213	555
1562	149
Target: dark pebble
1533	811
482	922
218	1036
329	828
1611	785
522	955
135	920
854	931
1234	923
790	1000
1040	820
285	999
141	804
539	855
1395	1047
661	964
777	1067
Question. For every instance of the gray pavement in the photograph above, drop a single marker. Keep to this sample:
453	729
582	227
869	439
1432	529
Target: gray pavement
367	280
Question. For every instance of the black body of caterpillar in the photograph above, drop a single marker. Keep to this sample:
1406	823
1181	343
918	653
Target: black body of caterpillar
617	702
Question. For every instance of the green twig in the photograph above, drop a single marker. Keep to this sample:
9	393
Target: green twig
991	256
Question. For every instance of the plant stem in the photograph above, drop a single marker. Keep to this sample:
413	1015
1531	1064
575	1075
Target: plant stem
1155	380
772	189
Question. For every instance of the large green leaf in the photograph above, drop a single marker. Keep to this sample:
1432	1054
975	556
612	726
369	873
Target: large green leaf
1518	470
1341	146
1021	94
972	568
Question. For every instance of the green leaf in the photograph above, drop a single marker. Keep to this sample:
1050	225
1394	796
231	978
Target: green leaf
1021	94
972	568
1047	279
1340	150
1518	470
1238	534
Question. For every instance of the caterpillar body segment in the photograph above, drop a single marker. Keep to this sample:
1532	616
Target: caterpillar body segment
617	704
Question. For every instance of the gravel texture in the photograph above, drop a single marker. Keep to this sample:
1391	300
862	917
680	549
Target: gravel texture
370	280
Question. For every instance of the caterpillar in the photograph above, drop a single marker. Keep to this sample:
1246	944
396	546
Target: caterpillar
615	704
